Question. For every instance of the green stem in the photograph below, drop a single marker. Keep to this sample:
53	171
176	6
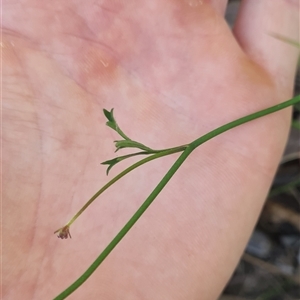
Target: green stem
148	152
122	174
162	184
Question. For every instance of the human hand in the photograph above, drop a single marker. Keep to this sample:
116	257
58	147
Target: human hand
172	71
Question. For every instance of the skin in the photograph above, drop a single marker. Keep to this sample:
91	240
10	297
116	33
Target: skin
173	72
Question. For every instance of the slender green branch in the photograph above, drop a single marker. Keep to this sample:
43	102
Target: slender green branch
113	124
64	232
162	184
243	120
114	161
133	144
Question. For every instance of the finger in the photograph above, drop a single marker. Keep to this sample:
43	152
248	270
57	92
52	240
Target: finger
257	23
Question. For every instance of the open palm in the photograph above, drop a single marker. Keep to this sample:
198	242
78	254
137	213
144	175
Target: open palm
173	71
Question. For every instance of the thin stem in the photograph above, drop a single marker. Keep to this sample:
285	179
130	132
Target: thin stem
162	184
243	120
122	174
127	227
121	133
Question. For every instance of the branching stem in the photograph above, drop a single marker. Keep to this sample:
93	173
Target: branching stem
64	231
187	151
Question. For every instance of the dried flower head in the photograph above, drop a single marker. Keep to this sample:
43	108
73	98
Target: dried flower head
64	232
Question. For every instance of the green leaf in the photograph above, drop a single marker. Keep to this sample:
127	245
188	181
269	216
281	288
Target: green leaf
111	120
132	144
114	161
110	163
113	124
109	115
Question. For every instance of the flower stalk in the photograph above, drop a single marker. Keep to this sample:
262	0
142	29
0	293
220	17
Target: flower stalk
186	151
